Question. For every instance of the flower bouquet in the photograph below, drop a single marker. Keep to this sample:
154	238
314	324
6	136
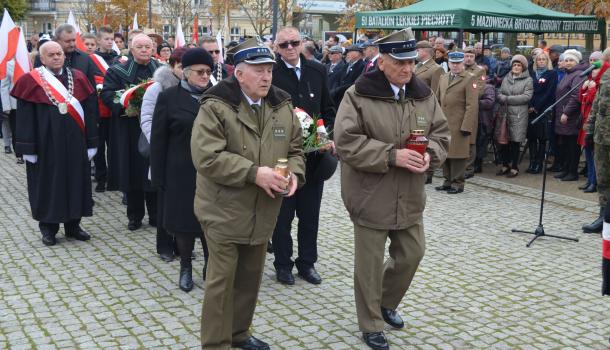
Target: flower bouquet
131	97
315	136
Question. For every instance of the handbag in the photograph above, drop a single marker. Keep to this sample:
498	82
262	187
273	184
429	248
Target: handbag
501	132
144	146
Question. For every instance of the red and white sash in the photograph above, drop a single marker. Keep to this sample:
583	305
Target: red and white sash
99	62
60	93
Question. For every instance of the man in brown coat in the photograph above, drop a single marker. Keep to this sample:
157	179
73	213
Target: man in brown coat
243	127
382	182
427	69
458	95
470	65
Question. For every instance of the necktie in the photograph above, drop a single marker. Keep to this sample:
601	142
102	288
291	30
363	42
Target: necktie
259	118
401	95
297	72
418	65
369	65
451	77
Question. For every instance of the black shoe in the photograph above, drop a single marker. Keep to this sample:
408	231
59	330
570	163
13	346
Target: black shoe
428	180
561	175
591	189
284	276
310	275
20	160
124	199
251	344
392	318
79	235
530	168
186	278
570	177
134	224
48	239
597	225
100	187
455	190
8	150
468	175
167	257
555	168
502	171
376	340
582	187
269	247
442	188
152	222
537	169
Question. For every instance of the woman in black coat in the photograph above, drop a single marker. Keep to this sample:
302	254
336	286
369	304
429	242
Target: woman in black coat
545	83
172	170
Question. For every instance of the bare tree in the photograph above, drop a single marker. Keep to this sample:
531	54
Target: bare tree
259	13
172	9
86	13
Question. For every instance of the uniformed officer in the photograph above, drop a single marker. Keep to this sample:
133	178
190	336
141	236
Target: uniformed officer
427	69
458	95
598	132
382	182
471	66
243	127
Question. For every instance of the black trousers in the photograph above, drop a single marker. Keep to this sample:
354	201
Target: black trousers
305	203
509	154
101	168
53	227
135	205
483	136
568	153
166	244
12	120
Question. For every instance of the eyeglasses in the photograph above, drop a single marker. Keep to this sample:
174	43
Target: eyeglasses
202	72
293	43
214	52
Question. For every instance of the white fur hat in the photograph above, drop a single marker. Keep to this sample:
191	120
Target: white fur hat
573	55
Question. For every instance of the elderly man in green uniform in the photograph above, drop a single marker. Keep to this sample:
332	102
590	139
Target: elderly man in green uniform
382	181
471	66
458	95
598	132
243	127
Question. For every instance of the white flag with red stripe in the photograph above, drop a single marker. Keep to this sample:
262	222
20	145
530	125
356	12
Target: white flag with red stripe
22	59
115	48
79	42
606	255
126	96
135	22
220	47
9	40
179	41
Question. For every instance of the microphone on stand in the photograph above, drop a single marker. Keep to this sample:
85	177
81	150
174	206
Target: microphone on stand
594	65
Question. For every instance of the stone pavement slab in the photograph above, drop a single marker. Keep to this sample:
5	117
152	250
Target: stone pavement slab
478	287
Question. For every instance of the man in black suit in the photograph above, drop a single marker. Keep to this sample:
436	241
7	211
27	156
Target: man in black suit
355	67
65	35
306	82
336	67
371	54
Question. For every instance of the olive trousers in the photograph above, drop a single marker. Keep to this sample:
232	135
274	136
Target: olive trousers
378	283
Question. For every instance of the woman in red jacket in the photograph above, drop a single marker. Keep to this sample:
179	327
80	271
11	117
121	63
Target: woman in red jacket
586	96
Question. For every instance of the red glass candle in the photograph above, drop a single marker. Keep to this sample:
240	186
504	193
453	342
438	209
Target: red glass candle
417	141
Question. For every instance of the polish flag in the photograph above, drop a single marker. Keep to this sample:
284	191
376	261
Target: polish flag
9	40
195	36
105	20
22	59
220	47
79	42
135	22
128	94
179	36
606	254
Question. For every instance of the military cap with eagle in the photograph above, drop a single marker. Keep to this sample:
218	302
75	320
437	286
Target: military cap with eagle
251	51
400	45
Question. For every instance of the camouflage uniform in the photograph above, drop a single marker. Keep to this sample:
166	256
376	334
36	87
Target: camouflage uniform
599	126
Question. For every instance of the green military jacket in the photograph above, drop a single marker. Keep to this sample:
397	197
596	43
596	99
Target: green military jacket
228	147
599	117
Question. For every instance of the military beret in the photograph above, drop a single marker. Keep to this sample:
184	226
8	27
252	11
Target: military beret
469	49
424	44
399	45
456	56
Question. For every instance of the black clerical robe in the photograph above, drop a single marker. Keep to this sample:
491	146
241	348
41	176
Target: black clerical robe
59	183
127	169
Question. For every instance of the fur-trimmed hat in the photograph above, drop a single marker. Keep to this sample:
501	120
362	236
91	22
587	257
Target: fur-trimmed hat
572	54
521	59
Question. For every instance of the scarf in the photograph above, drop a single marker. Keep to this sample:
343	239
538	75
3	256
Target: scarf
195	91
540	71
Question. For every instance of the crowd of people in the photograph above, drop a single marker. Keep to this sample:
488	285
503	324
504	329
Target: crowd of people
196	143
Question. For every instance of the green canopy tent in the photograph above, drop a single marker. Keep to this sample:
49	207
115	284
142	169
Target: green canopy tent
476	16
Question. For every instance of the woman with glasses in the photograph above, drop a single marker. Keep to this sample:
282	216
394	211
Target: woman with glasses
172	170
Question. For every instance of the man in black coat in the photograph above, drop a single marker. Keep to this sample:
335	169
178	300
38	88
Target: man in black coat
127	168
336	67
210	44
58	138
306	82
65	35
355	67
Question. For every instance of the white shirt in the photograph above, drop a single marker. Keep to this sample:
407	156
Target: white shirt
296	68
250	102
396	90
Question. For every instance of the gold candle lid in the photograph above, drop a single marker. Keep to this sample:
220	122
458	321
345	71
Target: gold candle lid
418	132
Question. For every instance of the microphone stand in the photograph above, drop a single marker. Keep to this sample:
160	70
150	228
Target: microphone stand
539	231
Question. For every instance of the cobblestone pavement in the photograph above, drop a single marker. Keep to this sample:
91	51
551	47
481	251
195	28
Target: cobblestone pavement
478	287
